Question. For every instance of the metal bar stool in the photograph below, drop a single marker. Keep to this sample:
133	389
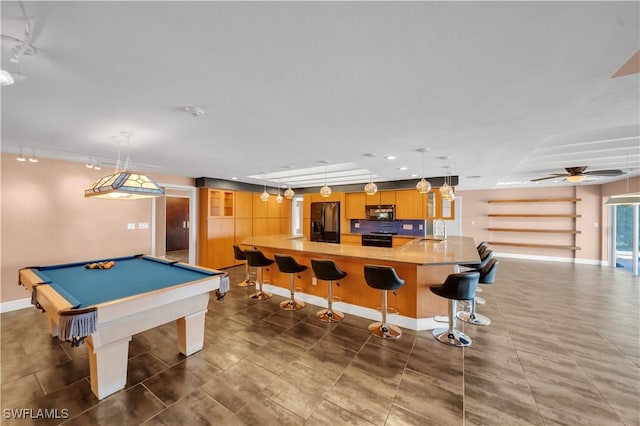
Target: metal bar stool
327	270
460	286
288	265
487	276
256	259
238	254
383	278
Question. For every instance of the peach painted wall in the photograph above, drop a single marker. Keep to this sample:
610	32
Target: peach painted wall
45	219
475	220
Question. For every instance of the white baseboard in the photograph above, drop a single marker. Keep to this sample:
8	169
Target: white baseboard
14	305
552	258
359	311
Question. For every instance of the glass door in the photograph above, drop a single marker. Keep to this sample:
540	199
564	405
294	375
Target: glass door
626	236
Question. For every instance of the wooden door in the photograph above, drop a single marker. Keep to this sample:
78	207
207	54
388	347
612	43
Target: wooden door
177	223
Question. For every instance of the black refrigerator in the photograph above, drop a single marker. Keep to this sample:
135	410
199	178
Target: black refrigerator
325	222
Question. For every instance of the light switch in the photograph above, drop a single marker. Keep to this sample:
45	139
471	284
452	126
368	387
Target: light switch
357	225
407	226
143	225
131	226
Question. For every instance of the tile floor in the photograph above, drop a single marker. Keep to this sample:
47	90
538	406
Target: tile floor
563	349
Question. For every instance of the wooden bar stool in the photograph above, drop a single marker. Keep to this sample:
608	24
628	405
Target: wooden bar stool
327	270
383	278
461	286
256	259
288	265
238	254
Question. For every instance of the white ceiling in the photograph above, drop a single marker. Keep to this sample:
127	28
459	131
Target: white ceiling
509	90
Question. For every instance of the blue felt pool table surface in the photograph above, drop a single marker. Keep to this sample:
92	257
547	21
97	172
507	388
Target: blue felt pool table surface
129	276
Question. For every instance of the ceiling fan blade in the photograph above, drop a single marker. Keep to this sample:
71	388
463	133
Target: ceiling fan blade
555	176
611	172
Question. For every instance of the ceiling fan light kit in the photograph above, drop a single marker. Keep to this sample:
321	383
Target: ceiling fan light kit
579	174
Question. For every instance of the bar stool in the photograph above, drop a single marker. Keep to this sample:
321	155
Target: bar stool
256	259
460	286
238	254
288	265
383	278
487	276
327	270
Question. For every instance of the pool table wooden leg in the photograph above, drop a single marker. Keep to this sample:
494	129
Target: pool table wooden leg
191	333
108	366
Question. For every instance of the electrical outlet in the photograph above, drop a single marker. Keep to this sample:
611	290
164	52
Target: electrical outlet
131	226
357	225
407	226
420	227
143	225
314	281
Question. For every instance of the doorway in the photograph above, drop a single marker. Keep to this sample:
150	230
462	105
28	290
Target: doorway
177	228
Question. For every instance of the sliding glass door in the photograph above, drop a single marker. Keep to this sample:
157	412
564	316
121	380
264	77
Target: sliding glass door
626	236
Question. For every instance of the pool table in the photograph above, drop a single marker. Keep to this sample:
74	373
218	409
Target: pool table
105	307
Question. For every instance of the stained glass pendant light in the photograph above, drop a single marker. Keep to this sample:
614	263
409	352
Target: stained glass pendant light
125	184
423	186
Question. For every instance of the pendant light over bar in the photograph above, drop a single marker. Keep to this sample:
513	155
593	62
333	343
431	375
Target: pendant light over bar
370	188
125	184
265	195
325	191
423	186
288	194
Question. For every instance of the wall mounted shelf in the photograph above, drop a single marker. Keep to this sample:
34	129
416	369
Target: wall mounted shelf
537	200
534	215
550	246
545	231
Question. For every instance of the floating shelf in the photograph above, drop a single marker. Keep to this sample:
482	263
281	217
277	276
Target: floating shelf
533	215
545	231
539	200
550	246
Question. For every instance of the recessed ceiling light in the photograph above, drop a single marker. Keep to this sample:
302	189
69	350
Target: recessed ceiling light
474	177
390	157
414	175
403	168
234	178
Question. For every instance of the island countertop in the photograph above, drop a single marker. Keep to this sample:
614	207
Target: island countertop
420	251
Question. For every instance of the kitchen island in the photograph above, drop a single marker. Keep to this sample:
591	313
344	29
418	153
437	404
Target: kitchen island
421	262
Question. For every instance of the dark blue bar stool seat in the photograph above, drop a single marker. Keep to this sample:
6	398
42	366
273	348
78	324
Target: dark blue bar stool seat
288	265
257	259
460	286
383	278
327	270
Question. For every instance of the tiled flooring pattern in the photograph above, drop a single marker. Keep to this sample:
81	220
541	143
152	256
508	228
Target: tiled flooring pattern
563	349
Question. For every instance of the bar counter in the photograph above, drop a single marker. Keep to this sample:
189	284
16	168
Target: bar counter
421	262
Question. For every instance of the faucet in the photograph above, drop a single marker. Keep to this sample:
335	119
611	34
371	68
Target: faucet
444	228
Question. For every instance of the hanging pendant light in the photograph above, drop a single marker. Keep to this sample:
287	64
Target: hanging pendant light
325	191
423	186
279	197
265	195
370	188
125	184
288	193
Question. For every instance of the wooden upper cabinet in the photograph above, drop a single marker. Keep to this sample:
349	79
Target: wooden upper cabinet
355	205
387	197
244	204
218	203
410	204
260	208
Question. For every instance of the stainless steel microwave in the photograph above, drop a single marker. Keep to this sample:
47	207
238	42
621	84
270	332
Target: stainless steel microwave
380	212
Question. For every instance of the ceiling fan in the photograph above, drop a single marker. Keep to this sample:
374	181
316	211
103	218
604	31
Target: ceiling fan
580	173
